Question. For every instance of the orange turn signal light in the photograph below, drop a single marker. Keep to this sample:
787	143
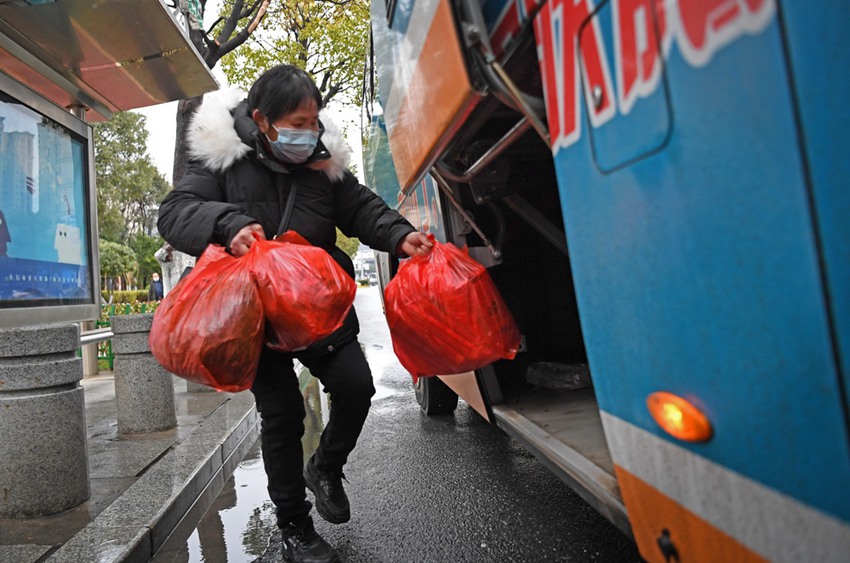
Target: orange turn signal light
678	417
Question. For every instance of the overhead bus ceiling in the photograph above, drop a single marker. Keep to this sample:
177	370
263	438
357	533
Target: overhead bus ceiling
107	55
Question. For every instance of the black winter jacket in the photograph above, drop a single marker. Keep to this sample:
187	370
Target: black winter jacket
233	181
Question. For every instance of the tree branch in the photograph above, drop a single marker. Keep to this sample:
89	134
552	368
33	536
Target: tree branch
258	9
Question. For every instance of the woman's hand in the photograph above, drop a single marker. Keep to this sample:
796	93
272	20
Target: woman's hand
242	241
415	243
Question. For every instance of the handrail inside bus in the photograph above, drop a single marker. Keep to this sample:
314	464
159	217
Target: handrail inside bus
475	35
444	187
498	148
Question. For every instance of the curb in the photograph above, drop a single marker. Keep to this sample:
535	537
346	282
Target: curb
136	525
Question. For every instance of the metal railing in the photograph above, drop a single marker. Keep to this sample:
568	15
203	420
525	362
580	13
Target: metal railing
96	336
102	334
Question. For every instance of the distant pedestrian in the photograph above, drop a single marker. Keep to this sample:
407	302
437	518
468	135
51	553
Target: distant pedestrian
173	265
155	292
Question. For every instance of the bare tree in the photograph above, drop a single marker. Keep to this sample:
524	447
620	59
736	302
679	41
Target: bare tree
326	38
239	19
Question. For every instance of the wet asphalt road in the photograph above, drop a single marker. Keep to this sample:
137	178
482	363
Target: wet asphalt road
453	488
424	489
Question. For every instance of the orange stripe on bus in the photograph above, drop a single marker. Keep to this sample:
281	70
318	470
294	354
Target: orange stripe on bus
437	92
692	538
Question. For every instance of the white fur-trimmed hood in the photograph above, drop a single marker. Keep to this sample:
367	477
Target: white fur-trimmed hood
212	137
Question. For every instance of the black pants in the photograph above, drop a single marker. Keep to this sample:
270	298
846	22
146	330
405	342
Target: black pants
345	374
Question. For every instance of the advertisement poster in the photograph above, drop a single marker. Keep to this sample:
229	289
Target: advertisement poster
44	251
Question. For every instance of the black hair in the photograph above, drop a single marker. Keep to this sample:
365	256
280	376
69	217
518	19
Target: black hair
282	89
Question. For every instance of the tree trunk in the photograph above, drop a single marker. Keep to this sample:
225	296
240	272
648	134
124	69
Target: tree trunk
185	109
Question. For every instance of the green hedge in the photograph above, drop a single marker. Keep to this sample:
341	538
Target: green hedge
133	308
126	303
126	296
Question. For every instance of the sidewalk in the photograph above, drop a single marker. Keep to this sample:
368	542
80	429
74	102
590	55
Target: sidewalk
141	485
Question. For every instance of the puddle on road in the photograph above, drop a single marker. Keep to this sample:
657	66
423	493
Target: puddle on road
238	524
379	358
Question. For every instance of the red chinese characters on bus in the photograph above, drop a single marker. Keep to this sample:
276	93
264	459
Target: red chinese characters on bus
557	26
643	32
708	25
636	48
515	14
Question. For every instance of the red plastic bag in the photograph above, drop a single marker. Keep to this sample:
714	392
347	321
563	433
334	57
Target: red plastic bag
446	316
305	293
209	329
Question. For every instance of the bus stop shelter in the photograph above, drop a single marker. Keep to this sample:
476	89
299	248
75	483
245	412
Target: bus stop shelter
63	64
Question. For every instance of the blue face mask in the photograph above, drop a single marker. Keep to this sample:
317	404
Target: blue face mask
294	145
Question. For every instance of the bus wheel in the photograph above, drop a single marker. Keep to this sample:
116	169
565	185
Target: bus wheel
434	396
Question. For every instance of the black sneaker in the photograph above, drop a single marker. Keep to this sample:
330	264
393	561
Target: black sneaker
302	544
331	500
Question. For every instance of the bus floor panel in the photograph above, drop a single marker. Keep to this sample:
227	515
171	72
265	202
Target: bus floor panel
563	429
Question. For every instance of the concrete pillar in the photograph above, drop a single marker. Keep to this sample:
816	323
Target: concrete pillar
144	390
44	465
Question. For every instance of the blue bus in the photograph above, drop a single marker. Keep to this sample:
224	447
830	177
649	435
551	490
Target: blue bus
660	189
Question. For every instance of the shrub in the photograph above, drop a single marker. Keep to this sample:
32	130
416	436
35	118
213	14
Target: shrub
127	296
131	308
